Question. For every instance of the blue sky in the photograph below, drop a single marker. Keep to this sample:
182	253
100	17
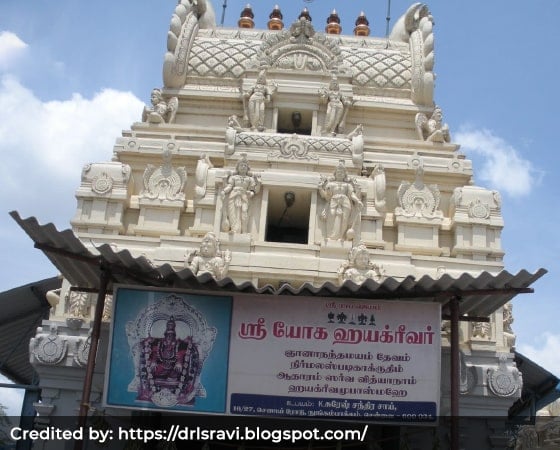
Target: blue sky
74	74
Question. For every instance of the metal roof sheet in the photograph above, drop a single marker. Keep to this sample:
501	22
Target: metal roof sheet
23	309
479	295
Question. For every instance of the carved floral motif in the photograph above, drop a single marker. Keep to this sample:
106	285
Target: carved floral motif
102	184
48	348
77	304
417	199
504	381
164	182
81	352
300	48
294	148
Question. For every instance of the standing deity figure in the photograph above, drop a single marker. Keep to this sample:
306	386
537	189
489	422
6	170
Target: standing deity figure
240	188
210	259
359	268
432	129
161	111
342	210
337	108
254	101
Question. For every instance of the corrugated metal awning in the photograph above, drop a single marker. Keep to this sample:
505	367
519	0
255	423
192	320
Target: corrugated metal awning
479	295
23	309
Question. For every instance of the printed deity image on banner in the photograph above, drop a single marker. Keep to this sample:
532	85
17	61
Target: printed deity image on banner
177	356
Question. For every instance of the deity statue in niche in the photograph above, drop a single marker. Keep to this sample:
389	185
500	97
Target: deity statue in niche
359	267
337	108
239	189
161	111
209	259
168	368
432	129
343	208
255	100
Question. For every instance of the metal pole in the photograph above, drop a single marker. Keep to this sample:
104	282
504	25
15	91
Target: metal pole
388	18
454	305
84	405
224	6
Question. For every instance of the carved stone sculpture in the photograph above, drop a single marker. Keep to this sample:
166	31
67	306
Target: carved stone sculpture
164	182
161	111
337	108
509	335
504	381
201	175
48	348
379	187
240	188
481	330
77	304
254	101
189	16
359	268
417	199
432	129
209	259
343	209
416	28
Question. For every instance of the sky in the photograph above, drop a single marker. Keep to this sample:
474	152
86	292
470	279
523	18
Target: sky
74	74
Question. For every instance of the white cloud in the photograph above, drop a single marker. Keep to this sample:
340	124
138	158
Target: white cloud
503	168
11	49
44	145
544	352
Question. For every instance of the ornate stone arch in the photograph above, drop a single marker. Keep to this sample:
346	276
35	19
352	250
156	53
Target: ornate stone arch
300	48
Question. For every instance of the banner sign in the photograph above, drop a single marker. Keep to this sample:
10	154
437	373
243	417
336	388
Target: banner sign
271	356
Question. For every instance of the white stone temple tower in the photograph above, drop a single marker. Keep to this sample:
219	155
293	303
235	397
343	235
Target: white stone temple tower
292	155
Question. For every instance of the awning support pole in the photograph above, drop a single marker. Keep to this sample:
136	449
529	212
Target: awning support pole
95	333
454	307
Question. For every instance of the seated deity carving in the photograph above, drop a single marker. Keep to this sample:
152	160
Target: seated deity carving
161	111
359	267
209	259
240	187
337	108
343	206
255	100
432	129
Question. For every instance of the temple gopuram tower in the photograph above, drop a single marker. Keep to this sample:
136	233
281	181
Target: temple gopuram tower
287	162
